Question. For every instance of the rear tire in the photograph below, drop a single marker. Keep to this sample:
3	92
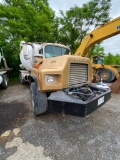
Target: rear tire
106	75
21	79
39	100
4	84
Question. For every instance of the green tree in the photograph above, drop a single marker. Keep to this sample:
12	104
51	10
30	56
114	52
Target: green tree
112	59
77	22
29	20
97	50
56	33
117	59
26	19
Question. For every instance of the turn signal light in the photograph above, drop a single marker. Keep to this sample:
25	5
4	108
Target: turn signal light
37	66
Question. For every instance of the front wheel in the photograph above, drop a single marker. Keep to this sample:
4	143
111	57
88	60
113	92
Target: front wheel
39	100
4	84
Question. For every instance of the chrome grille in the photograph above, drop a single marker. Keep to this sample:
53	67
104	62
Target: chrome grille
78	73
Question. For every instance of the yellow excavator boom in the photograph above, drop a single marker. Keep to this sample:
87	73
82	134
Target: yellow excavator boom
105	31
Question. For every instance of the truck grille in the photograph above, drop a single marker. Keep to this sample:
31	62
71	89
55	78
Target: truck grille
78	73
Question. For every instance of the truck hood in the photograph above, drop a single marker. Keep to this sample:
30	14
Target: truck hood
62	61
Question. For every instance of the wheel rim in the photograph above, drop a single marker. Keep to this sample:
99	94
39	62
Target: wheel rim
105	75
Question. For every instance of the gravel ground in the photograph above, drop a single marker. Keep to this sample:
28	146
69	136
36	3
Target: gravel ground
53	136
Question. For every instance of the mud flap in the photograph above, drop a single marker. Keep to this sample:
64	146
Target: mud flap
62	103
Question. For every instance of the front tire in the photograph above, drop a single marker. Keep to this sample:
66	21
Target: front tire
4	84
39	100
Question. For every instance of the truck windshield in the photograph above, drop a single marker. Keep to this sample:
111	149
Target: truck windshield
54	51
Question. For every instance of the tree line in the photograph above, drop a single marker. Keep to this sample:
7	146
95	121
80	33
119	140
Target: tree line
35	21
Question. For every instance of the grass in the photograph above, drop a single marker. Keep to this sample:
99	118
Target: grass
13	77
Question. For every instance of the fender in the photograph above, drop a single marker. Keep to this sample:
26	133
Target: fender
33	78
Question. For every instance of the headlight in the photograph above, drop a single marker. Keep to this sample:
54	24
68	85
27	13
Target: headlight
50	79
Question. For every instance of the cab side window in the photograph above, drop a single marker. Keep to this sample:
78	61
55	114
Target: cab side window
41	51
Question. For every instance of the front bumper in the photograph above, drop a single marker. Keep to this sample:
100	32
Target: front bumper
60	102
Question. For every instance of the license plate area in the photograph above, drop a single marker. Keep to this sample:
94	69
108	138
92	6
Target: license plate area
100	100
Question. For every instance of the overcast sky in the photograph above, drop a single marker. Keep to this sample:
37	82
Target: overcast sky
112	44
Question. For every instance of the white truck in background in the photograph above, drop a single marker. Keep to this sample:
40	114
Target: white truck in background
3	71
